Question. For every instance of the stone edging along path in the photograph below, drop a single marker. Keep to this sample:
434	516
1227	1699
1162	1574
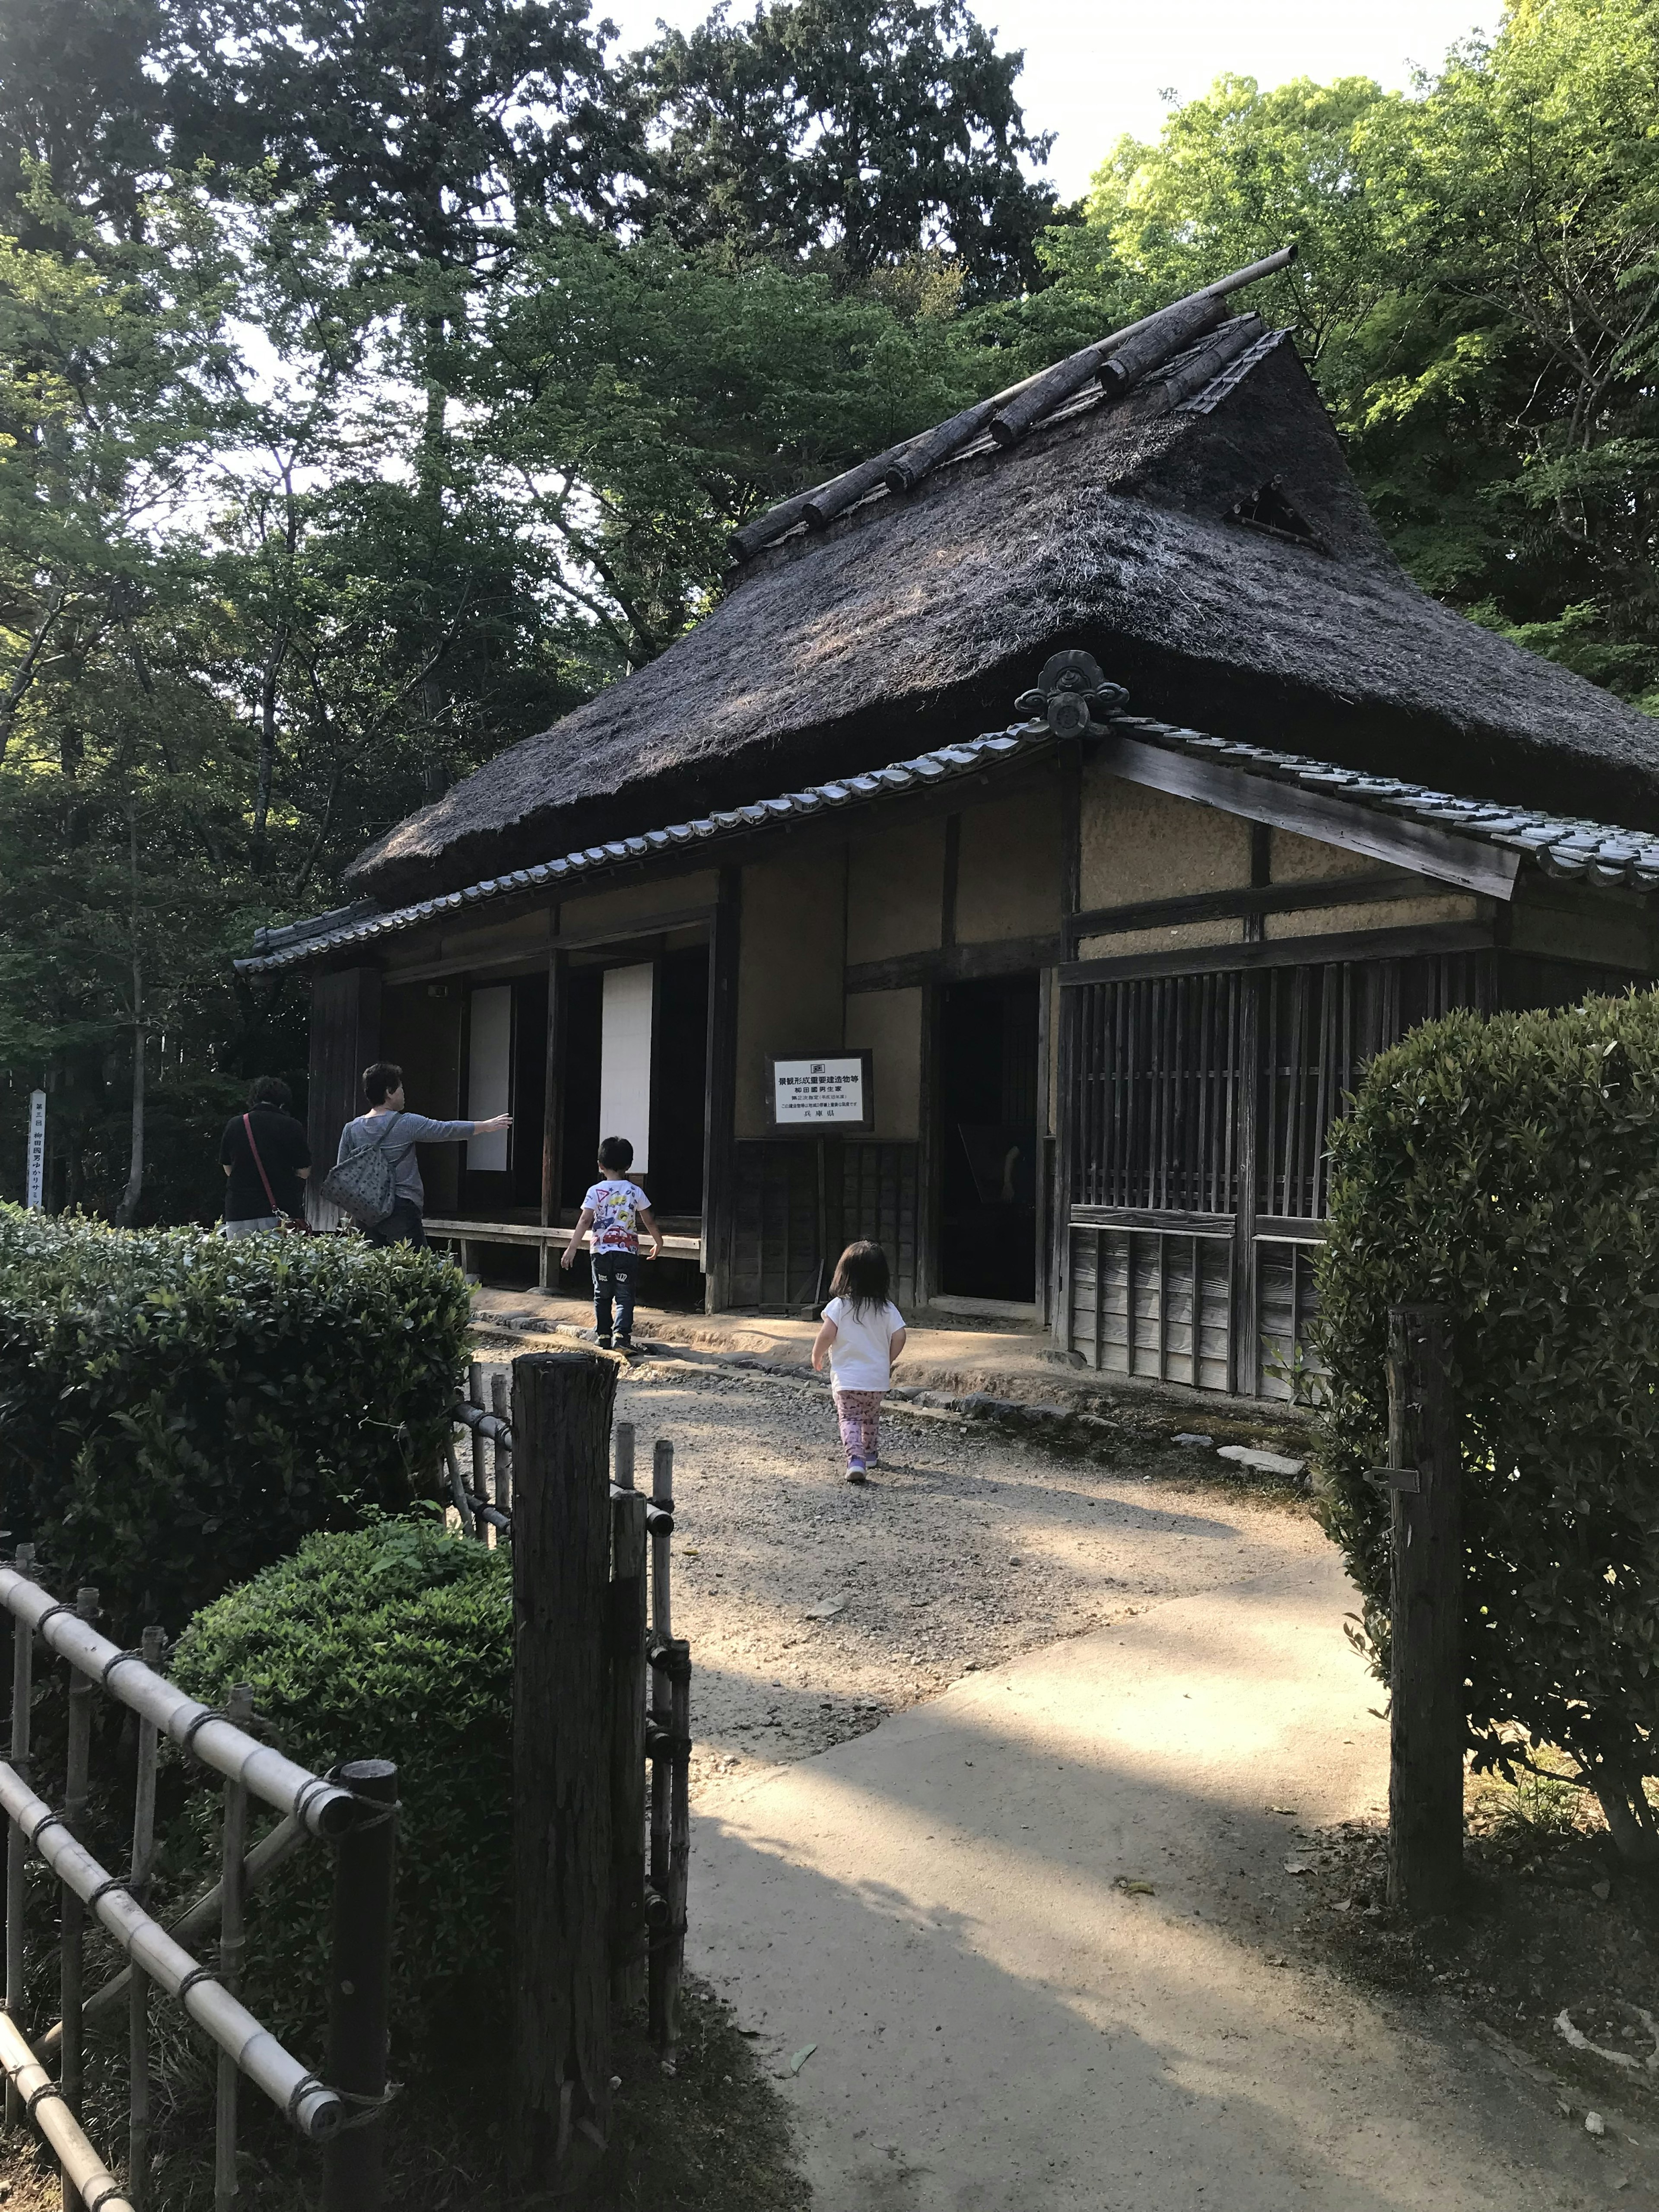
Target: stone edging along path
1060	1423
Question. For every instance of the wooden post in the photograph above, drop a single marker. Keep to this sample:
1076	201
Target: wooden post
553	1109
561	1405
629	1670
501	1404
71	1974
719	1125
18	1850
1243	1349
479	1396
232	1941
1424	1476
155	1646
360	1984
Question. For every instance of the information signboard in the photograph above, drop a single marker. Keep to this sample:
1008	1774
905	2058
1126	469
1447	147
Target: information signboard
835	1090
34	1178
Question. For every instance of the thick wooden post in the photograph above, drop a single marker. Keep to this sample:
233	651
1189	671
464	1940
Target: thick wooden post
561	1405
1425	1780
720	1123
629	1669
360	1985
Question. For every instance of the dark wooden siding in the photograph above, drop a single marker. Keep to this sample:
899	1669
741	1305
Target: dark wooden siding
788	1234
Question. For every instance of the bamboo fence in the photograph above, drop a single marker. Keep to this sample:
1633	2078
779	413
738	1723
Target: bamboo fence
356	1811
650	1692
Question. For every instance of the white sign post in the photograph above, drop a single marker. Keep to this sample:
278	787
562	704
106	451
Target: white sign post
833	1092
35	1177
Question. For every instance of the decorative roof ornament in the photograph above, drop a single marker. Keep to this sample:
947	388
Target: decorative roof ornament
1073	697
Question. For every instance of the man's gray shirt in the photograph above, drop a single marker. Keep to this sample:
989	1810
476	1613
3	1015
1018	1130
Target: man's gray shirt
398	1134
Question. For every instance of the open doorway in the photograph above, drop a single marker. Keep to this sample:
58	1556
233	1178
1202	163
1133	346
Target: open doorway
988	1138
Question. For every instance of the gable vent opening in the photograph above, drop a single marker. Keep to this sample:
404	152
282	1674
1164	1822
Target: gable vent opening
1268	509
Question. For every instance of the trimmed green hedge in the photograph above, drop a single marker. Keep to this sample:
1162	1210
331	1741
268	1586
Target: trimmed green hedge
392	1642
1509	1170
176	1411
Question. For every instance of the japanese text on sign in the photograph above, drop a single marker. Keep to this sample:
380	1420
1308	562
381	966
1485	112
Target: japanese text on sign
34	1180
826	1092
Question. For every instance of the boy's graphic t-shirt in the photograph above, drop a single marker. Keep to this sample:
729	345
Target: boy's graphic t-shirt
616	1206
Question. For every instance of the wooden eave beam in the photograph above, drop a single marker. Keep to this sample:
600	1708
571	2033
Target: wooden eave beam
1440	854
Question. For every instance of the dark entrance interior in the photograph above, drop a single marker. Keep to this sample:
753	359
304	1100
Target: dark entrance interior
679	1049
987	1137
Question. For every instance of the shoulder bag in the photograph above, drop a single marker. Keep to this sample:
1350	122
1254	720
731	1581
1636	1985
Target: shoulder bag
288	1223
364	1184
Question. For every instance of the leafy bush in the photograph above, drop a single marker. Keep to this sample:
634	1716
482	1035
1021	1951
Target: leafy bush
176	1411
1508	1170
391	1642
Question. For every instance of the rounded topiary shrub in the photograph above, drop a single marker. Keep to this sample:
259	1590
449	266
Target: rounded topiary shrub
390	1642
176	1411
1508	1170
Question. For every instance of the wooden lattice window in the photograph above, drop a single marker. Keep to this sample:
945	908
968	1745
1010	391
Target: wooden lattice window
1156	1065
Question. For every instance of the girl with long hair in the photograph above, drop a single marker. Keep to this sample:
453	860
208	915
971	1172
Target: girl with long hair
862	1335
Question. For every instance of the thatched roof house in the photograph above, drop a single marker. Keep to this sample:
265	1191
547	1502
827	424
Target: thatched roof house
1018	866
1218	560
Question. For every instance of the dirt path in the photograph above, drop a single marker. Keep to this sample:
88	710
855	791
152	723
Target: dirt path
1037	1946
1000	1764
815	1610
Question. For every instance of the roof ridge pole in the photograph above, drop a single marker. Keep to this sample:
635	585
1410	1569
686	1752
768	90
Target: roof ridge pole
903	466
1129	353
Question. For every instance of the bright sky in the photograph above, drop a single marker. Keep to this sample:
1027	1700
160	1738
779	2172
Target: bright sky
1094	69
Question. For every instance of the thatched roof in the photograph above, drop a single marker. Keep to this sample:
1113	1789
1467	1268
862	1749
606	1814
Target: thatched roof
1203	537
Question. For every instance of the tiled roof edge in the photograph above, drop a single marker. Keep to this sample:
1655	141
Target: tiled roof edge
1583	852
947	761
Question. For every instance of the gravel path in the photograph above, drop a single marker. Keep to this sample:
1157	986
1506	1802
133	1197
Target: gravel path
814	1608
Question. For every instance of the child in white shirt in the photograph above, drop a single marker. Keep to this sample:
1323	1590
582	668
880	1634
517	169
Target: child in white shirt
614	1210
862	1335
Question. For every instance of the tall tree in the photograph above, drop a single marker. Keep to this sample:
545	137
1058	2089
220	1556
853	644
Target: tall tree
850	132
1477	294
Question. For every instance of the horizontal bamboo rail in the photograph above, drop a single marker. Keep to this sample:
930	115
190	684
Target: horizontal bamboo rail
41	2098
262	1862
320	1807
313	2109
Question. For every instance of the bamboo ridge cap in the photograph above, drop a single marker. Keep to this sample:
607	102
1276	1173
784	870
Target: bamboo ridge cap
323	1806
903	466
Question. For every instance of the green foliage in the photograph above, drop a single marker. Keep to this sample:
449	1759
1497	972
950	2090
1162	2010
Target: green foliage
177	1411
1505	1169
648	398
391	1642
1478	292
848	134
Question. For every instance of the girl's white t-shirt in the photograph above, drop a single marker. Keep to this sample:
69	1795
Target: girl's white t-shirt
859	1357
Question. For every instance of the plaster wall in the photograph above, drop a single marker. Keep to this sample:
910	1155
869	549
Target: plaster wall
1297	860
888	1024
525	933
637	905
1140	844
1386	913
790	970
1119	943
1009	867
895	892
1611	940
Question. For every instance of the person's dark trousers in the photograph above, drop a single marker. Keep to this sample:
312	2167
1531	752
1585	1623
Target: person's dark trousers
403	1225
616	1276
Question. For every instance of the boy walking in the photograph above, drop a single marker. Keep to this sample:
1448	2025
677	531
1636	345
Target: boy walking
613	1213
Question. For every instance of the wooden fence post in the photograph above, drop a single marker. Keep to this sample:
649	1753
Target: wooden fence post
1425	1477
561	1405
359	1988
629	1670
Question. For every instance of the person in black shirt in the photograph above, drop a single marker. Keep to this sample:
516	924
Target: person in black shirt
283	1153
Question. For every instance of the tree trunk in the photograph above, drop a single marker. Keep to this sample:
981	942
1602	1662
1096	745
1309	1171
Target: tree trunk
128	1209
